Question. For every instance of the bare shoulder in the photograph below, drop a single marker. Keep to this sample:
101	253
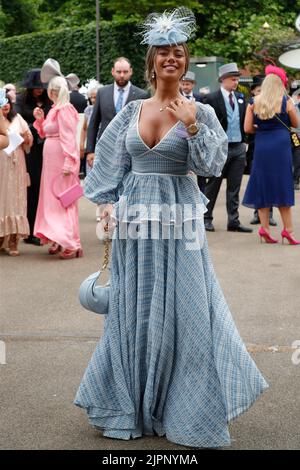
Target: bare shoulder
289	104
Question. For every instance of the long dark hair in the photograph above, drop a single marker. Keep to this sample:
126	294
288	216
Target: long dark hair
12	113
29	98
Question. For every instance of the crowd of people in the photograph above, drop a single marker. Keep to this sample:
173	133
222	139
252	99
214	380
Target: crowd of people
30	209
98	105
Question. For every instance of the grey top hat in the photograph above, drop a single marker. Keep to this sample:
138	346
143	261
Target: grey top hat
189	76
229	70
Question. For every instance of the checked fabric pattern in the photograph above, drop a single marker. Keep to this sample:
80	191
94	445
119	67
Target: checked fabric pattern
171	360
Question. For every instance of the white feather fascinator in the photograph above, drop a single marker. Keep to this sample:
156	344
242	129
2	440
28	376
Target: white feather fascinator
90	86
168	28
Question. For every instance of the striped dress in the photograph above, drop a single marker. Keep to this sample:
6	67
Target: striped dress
171	361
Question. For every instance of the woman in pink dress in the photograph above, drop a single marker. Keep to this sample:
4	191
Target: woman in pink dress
14	180
60	167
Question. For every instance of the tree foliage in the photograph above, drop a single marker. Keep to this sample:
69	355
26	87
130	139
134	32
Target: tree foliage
17	17
226	28
75	50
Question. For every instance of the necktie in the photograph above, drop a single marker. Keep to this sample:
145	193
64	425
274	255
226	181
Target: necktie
119	103
188	97
231	102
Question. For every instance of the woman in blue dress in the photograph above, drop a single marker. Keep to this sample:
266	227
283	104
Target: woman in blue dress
271	180
171	361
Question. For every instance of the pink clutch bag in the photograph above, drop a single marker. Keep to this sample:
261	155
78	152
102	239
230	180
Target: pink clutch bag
69	195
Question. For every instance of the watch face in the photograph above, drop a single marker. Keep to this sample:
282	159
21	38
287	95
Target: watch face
192	129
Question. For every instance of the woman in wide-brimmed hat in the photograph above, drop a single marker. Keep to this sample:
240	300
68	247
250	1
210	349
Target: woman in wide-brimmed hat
35	94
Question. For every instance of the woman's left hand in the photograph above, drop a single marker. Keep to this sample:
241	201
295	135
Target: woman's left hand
184	110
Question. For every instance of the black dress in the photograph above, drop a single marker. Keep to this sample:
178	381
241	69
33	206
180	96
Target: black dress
34	160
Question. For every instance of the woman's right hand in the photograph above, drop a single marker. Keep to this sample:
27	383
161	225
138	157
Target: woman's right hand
106	213
38	113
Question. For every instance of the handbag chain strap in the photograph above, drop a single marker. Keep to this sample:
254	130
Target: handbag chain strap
106	250
278	118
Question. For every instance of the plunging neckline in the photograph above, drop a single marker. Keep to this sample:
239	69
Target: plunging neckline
139	135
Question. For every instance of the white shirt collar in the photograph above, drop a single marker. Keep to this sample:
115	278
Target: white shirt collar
226	93
125	88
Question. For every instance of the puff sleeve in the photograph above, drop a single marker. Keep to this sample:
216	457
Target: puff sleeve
67	118
103	183
208	148
39	126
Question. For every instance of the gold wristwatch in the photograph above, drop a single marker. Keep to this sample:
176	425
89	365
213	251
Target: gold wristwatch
192	129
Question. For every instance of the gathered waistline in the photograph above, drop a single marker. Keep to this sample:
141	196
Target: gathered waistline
158	174
52	136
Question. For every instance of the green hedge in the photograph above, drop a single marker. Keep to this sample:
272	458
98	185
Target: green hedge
75	50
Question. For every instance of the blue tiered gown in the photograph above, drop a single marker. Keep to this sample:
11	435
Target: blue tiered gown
170	361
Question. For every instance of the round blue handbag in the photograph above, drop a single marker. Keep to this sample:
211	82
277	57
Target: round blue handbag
92	297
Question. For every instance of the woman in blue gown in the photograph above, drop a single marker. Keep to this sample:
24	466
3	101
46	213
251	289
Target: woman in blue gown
171	361
271	180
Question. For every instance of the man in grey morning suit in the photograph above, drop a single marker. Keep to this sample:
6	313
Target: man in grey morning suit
230	108
110	100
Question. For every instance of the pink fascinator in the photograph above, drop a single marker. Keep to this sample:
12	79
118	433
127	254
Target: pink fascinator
277	71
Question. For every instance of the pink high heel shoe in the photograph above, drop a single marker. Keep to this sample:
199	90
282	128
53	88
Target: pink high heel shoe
54	248
69	254
266	236
290	238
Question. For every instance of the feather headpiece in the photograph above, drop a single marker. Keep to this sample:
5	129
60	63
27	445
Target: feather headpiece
91	85
167	29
